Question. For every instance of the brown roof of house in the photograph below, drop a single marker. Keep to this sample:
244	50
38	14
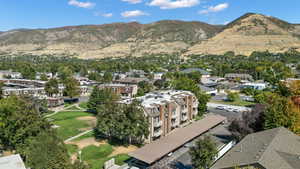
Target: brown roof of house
157	149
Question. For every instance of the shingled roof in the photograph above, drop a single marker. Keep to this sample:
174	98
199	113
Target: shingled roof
272	149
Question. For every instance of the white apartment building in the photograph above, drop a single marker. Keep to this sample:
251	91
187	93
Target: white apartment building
168	110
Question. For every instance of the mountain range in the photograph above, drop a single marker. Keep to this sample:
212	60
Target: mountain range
251	32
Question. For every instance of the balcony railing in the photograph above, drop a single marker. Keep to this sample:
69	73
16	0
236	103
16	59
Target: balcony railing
157	133
184	118
157	124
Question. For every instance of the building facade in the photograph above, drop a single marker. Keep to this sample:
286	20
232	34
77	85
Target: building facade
121	89
168	110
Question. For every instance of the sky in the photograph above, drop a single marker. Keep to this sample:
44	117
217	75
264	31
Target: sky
15	14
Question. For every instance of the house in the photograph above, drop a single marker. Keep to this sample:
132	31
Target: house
276	148
256	86
10	74
121	89
131	80
158	75
168	110
208	90
136	73
238	76
204	73
12	162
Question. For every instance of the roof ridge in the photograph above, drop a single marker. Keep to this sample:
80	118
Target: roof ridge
277	130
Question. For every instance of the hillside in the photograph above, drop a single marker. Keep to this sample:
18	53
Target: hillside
108	40
251	32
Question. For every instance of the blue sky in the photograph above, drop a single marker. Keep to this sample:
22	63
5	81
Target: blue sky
56	13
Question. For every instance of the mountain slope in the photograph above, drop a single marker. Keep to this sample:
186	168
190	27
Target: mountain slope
109	40
251	32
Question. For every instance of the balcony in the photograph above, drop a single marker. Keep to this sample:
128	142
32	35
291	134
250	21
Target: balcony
157	133
174	116
157	124
184	118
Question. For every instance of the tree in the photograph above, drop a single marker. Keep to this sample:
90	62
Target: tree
51	87
71	87
203	154
44	77
101	97
184	83
20	121
28	72
64	73
1	91
107	77
232	97
144	87
46	150
125	123
250	122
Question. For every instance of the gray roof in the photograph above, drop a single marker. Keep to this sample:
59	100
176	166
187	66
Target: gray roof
12	162
158	149
238	75
272	149
206	89
190	70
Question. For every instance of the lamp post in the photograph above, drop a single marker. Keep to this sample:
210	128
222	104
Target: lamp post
79	152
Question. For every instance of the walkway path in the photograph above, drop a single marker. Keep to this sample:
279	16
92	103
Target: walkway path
78	135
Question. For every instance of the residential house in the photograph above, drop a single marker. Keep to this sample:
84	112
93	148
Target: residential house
276	148
131	80
10	74
238	76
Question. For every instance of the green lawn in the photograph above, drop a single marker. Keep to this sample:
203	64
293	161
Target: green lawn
83	105
97	156
68	124
235	103
72	148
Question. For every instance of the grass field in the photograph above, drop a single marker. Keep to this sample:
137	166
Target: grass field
68	123
83	105
96	156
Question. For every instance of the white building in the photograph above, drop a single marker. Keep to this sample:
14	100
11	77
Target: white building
257	86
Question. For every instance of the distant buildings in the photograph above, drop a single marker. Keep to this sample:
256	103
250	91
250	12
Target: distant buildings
10	74
121	89
256	86
158	76
204	73
237	76
12	162
167	110
276	148
131	80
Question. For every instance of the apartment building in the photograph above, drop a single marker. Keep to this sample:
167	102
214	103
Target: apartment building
121	89
168	110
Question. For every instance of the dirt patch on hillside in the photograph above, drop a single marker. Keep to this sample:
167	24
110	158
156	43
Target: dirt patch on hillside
86	142
123	150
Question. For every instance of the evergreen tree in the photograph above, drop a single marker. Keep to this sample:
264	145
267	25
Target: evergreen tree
203	153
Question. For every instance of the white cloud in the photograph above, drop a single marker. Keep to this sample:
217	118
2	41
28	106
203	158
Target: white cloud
107	15
217	8
172	4
135	13
81	4
133	1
